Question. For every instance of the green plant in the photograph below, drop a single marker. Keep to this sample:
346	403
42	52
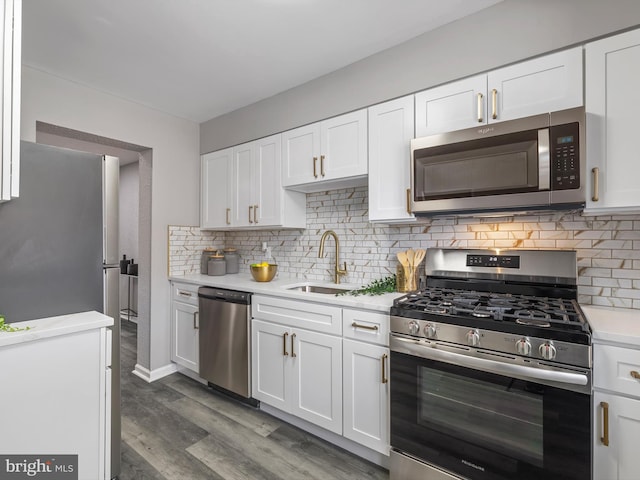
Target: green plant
5	327
376	287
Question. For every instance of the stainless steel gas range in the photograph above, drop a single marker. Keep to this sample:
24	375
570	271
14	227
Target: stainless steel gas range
490	370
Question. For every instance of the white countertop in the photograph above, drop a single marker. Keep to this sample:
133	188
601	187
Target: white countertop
278	287
54	326
614	325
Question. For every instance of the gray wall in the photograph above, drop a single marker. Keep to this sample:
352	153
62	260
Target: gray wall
505	33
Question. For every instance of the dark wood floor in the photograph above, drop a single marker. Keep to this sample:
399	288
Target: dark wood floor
178	429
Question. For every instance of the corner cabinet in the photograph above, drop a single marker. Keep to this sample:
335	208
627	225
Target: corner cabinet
616	412
185	325
612	105
541	85
391	128
241	189
11	25
327	154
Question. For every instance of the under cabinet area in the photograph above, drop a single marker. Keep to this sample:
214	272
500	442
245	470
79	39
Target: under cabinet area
185	325
242	189
327	154
541	85
612	102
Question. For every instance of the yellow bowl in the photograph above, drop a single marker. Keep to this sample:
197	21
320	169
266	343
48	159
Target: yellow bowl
264	274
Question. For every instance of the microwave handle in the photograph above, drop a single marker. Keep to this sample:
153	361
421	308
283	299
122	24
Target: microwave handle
544	160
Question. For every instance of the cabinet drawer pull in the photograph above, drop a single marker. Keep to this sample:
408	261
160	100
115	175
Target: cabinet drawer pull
409	201
228	212
596	184
185	294
293	353
322	165
635	374
250	208
196	323
494	103
255	214
383	360
285	335
480	109
315	168
605	424
366	327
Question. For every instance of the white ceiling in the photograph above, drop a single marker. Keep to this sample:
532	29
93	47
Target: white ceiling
198	59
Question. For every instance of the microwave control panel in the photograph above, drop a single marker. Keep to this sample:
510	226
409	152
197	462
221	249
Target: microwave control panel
565	157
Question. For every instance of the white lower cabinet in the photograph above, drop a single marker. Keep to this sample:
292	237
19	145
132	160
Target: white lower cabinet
185	326
366	394
299	372
616	412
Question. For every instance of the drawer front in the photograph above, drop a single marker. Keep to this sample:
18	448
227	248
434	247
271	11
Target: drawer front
372	327
185	293
616	369
313	316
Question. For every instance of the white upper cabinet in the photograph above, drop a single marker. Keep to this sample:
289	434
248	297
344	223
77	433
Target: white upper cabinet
11	30
545	84
215	189
241	189
327	154
390	133
612	103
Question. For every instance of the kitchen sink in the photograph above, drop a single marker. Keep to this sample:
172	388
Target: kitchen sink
317	289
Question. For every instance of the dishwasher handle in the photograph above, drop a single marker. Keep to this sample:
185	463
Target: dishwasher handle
223	295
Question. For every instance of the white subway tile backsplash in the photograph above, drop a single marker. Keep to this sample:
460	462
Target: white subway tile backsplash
608	247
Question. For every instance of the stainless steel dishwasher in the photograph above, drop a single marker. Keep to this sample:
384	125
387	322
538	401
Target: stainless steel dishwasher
224	339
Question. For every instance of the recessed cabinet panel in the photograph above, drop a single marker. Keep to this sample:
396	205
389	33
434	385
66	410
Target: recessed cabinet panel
269	364
267	181
215	189
390	133
612	105
185	335
301	148
243	156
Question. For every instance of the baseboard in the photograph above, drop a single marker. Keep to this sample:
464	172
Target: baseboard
153	375
338	440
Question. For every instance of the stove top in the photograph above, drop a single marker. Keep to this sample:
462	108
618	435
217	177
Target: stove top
513	302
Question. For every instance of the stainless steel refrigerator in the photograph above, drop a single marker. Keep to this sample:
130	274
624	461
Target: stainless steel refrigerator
59	246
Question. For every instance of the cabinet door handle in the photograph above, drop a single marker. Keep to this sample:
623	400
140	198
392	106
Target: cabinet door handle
322	165
366	327
196	323
250	208
596	184
255	214
635	374
605	424
494	103
184	294
285	335
480	109
293	337
315	168
383	360
409	201
228	212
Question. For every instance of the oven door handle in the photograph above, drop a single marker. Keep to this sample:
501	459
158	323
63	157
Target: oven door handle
485	365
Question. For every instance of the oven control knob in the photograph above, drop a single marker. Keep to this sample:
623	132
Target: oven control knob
547	351
414	327
430	330
523	346
473	338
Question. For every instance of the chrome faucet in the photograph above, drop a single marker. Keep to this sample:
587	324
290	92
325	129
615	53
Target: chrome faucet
338	271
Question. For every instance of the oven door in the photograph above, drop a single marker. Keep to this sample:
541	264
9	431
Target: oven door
488	426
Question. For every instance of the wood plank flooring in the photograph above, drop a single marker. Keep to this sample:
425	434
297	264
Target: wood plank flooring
178	429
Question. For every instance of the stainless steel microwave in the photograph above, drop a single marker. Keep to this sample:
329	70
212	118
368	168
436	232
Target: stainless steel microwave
533	163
